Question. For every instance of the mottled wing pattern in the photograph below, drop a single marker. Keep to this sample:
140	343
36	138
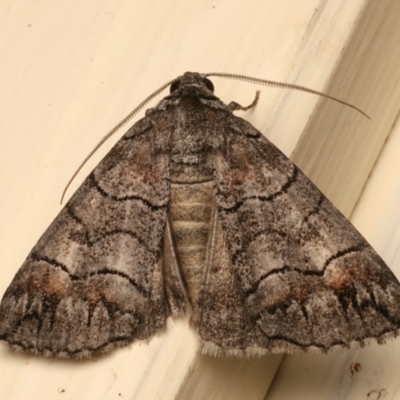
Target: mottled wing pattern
283	269
95	278
302	277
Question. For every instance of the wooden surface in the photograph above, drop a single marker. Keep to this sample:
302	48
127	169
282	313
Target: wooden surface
70	70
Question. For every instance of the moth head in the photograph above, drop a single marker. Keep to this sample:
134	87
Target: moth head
191	79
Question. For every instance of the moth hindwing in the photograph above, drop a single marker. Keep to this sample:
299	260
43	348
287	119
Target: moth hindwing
193	210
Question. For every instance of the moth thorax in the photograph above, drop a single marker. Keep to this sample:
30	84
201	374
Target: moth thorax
190	215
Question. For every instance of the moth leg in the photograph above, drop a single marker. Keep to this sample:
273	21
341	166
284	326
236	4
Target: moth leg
236	106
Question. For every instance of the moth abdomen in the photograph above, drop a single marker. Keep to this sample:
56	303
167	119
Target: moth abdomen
190	213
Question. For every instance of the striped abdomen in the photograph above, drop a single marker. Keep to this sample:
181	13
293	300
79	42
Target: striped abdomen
192	196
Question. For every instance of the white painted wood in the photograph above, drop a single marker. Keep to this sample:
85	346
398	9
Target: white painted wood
70	70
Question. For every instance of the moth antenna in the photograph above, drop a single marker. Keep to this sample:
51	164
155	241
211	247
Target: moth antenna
283	85
113	130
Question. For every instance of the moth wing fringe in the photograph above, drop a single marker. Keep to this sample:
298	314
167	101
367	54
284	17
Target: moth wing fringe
214	350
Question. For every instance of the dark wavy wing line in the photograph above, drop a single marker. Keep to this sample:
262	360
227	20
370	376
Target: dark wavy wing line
291	180
104	271
126	198
287	268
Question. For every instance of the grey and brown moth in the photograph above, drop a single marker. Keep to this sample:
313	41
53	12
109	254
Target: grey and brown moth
193	210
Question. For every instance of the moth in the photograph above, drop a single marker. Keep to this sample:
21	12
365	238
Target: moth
195	211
